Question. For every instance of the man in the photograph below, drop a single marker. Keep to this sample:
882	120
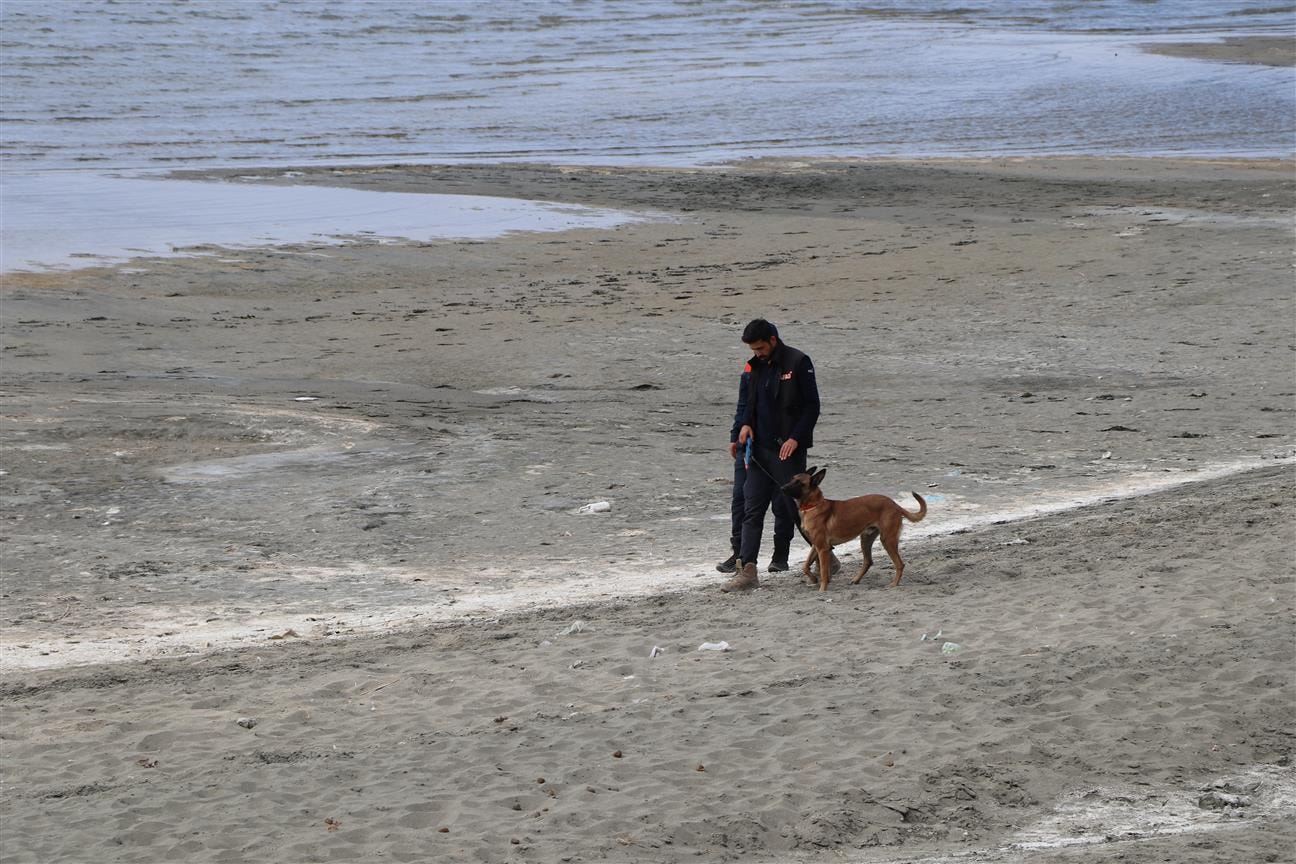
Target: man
737	502
782	409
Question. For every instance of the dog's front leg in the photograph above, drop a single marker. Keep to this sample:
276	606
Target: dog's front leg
825	566
805	568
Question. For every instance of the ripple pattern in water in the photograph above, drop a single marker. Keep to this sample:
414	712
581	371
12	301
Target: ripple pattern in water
165	82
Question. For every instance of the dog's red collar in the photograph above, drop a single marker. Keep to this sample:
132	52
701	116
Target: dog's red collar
803	508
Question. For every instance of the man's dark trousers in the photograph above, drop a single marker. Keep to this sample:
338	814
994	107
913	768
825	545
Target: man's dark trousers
738	503
738	509
759	492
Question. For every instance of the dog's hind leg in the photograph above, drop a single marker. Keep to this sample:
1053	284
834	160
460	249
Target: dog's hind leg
891	543
866	546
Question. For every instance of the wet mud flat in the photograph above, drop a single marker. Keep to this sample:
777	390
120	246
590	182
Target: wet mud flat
331	439
305	453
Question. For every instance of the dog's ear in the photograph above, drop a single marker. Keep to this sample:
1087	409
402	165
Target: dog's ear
811	469
817	477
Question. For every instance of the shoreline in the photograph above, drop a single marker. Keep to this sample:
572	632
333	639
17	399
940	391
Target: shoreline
299	173
171	228
610	184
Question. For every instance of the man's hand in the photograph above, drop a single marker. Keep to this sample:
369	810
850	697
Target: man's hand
743	434
733	449
789	447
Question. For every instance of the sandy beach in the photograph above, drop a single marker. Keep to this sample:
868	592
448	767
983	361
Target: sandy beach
295	568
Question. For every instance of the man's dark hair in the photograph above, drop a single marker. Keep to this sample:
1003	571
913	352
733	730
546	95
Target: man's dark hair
759	330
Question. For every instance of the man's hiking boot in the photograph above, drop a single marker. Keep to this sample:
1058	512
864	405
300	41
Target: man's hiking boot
729	565
744	580
779	560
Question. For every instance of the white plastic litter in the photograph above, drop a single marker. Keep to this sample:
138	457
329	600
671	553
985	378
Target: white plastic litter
714	646
594	507
574	627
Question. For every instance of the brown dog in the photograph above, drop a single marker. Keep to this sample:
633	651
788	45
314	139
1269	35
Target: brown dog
825	523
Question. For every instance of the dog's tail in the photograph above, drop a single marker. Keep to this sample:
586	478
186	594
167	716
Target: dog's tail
922	509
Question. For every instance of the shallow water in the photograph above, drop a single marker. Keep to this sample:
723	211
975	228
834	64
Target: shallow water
76	219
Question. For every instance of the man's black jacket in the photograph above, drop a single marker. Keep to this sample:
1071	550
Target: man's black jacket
796	395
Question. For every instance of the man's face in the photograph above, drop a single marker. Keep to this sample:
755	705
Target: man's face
763	348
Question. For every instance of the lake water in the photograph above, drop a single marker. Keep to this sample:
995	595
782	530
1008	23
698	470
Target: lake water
146	85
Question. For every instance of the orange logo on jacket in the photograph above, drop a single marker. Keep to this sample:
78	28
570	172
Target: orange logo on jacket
786	376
